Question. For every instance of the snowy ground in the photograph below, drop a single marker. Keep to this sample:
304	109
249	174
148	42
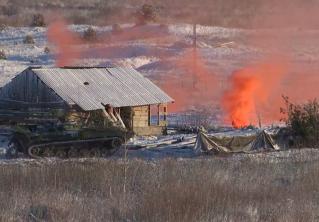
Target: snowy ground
181	154
155	147
224	50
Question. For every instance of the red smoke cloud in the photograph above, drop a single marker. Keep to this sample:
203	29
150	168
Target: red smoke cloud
251	92
65	41
70	45
254	91
192	84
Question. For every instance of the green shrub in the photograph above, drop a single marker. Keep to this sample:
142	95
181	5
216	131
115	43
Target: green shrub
303	121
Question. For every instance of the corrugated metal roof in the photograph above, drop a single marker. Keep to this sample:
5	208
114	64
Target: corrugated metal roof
116	86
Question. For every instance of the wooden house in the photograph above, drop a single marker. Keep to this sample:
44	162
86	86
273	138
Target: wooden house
121	94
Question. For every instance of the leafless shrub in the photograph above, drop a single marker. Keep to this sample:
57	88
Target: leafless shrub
116	29
2	55
90	35
147	13
303	122
47	50
2	27
38	20
28	40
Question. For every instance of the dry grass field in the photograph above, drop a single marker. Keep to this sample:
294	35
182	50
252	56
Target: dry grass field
279	186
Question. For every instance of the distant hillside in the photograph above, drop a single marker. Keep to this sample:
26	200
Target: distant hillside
228	13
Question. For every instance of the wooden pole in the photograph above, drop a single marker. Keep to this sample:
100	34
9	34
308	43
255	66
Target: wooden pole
195	35
149	115
158	114
194	54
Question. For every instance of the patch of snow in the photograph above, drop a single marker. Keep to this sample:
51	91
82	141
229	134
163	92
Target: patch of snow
137	62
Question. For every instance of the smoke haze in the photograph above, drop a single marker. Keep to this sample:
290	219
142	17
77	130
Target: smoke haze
254	90
65	42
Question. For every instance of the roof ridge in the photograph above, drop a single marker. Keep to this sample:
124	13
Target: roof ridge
72	67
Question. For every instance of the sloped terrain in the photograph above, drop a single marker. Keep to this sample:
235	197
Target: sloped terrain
165	55
163	181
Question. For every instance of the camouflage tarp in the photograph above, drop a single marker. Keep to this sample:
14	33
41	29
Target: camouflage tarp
252	143
206	144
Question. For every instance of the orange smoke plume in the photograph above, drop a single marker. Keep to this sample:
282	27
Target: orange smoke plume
65	42
252	93
192	84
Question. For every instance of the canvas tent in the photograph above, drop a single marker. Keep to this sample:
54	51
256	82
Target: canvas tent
252	143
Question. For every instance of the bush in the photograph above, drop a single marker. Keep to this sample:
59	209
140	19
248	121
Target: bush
2	27
38	20
28	40
2	55
146	14
90	35
303	122
116	29
47	50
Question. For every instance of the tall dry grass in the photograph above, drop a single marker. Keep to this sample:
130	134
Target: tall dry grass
260	187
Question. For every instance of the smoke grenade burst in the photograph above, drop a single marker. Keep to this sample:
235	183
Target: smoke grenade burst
192	84
250	94
65	42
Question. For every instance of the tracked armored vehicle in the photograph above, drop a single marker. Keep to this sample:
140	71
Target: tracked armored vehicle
58	134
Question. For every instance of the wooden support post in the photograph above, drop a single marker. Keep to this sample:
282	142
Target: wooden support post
132	113
194	35
149	115
107	115
109	111
165	112
87	118
117	115
158	114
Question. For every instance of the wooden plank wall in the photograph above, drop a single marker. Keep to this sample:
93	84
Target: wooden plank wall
141	116
27	87
141	121
149	131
